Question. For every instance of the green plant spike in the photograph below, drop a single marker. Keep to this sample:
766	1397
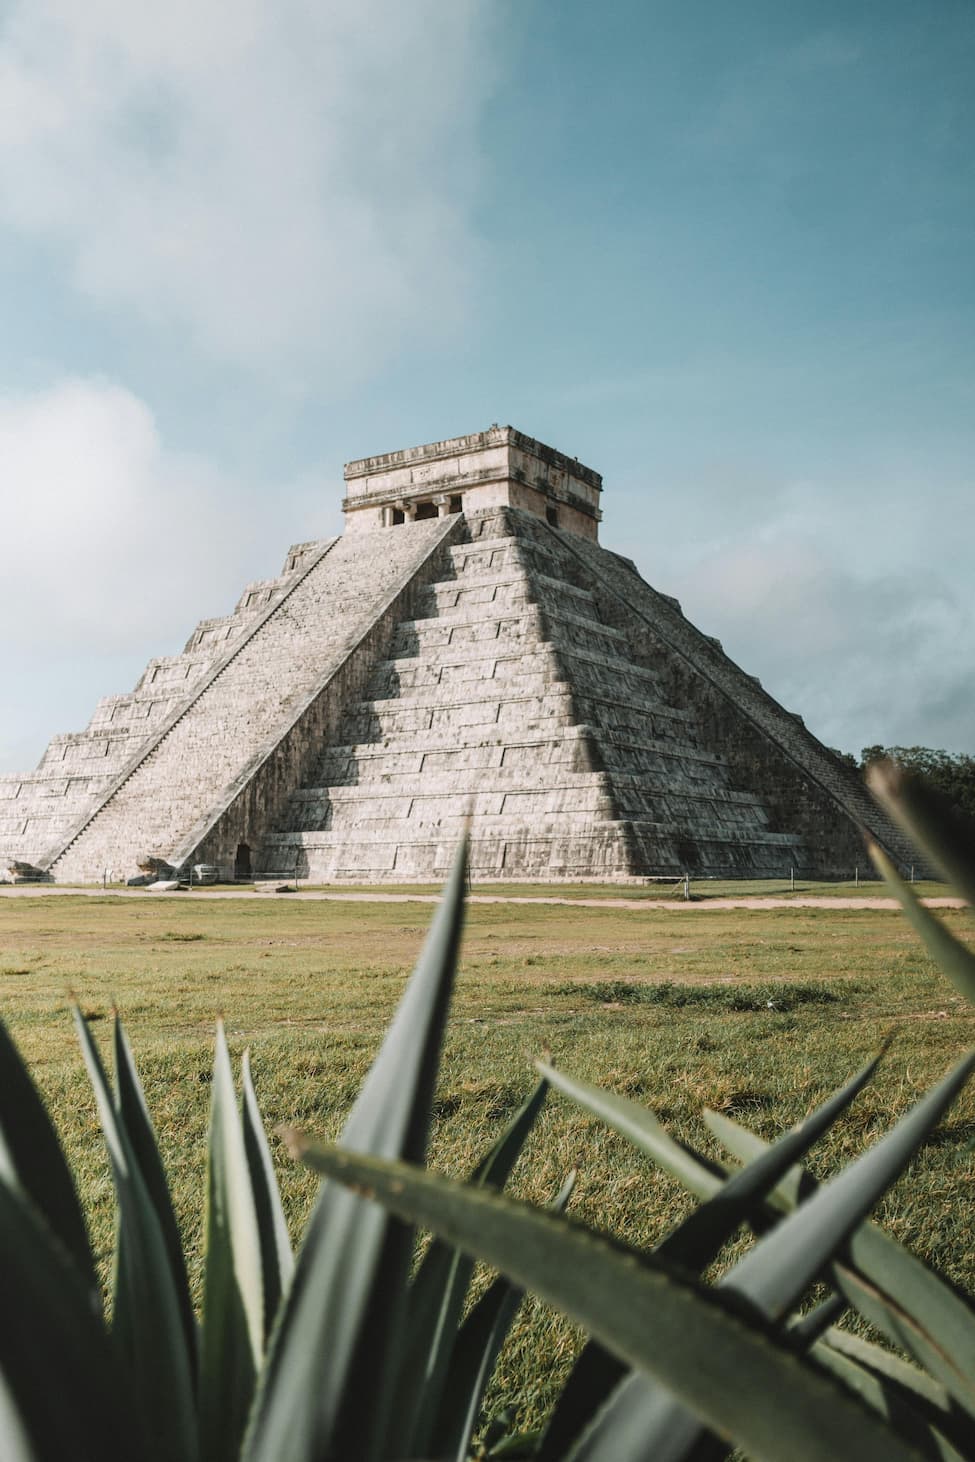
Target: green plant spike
726	1366
232	1334
903	1410
475	1354
639	1125
700	1237
133	1115
436	1297
31	1159
943	832
277	1258
695	1243
920	1390
594	1378
640	1420
915	1308
775	1272
60	1385
955	960
338	1343
15	1444
147	1325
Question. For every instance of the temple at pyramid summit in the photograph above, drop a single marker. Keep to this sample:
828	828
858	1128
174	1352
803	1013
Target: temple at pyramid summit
465	647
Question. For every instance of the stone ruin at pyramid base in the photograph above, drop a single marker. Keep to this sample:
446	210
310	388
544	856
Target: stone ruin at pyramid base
466	650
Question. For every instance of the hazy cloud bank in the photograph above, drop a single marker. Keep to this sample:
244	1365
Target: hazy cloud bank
862	621
113	546
286	185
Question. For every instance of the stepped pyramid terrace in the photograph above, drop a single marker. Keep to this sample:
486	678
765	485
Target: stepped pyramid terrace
466	647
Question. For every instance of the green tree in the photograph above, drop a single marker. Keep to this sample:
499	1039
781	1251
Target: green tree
951	773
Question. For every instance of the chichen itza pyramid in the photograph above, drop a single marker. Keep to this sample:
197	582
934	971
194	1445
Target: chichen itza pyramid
465	646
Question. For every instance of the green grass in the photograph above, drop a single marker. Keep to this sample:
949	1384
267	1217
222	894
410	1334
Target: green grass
665	1006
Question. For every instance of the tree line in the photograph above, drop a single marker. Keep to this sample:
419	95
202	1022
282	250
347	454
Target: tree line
952	773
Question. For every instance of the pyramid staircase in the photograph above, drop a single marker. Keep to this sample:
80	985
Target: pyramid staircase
511	698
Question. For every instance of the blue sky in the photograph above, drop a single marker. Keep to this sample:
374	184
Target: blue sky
721	253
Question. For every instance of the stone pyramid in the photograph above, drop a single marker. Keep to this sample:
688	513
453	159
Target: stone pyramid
465	649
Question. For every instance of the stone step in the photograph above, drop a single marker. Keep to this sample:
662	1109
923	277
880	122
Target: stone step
410	758
577	795
419	638
380	719
174	675
500	791
591	668
648	827
133	711
259	592
99	751
630	787
451	826
416	676
521	719
597	852
511	587
529	615
447	595
411	755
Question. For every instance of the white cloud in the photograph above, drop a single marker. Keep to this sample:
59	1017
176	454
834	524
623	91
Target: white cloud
113	546
869	653
287	183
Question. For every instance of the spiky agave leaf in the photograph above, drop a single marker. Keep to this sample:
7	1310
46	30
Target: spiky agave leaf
636	1409
436	1299
338	1343
773	1275
15	1444
62	1387
954	958
133	1114
915	1308
277	1259
232	1340
147	1323
943	832
475	1354
32	1160
898	1382
727	1366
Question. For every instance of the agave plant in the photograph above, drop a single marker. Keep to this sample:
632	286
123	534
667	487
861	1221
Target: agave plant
678	1369
338	1351
342	1353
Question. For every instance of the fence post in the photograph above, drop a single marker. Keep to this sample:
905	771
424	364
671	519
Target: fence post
687	888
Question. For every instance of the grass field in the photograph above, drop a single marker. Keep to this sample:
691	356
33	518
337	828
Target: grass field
758	1013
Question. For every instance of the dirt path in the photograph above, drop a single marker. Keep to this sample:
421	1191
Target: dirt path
670	906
